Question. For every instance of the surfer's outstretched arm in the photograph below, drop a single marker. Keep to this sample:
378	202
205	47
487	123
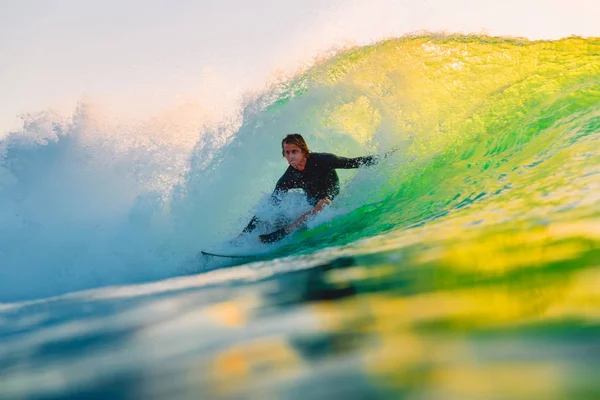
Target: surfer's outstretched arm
391	151
357	162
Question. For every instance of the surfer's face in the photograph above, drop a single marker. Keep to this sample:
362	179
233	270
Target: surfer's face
294	156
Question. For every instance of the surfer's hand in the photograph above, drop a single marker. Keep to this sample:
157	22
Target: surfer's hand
390	152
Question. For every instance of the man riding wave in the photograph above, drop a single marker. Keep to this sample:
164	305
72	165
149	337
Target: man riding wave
315	174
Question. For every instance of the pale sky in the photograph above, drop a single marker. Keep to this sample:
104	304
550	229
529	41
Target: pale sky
140	56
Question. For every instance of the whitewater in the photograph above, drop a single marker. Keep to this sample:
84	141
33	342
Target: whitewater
465	265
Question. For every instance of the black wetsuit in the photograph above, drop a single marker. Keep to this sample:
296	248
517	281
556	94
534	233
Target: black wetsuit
318	178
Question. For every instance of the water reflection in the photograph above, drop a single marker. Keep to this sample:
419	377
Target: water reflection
494	315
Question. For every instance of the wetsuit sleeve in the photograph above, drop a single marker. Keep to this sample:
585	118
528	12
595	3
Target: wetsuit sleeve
349	163
283	185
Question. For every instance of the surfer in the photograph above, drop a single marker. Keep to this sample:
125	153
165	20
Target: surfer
312	172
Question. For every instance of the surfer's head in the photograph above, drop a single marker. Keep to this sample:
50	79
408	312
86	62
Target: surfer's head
298	140
295	150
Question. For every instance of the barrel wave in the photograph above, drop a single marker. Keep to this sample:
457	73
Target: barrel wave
493	134
465	265
497	137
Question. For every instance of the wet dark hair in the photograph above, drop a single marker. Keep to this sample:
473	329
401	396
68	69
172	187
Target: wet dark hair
298	140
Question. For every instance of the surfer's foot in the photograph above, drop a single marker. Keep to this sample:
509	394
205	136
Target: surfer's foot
273	236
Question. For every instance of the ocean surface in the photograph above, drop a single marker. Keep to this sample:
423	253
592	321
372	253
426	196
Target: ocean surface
464	266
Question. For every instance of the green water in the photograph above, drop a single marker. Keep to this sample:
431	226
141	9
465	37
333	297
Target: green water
508	128
465	266
473	269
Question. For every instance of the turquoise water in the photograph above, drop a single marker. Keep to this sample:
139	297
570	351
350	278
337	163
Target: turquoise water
467	265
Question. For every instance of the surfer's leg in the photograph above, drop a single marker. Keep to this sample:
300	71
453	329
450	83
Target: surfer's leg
251	225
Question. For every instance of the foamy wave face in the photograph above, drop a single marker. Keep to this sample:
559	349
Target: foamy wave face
84	201
88	203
